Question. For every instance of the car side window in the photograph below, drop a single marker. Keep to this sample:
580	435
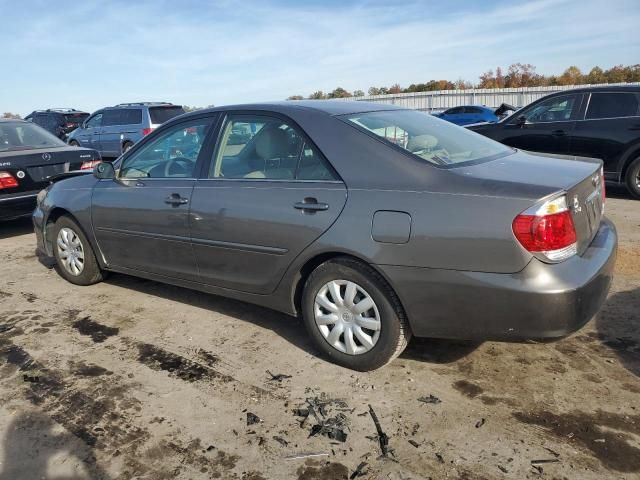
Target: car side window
94	121
613	105
263	147
172	154
454	111
122	116
472	110
556	109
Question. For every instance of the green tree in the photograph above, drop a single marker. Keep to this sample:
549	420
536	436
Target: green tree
571	76
374	91
318	95
295	97
11	115
339	93
596	75
358	93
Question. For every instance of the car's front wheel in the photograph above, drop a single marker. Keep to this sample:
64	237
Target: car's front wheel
75	260
632	178
353	316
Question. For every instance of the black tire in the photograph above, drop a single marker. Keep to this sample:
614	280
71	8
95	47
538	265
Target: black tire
126	146
394	332
74	143
632	178
90	272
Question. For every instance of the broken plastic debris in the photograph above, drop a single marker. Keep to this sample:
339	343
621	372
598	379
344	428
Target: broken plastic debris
430	399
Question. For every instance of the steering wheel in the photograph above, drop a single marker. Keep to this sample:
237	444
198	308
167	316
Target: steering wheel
182	162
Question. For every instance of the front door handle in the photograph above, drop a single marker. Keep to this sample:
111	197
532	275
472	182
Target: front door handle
558	133
311	205
175	199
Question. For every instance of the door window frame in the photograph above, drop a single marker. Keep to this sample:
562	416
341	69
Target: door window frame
306	140
86	123
211	119
575	113
583	117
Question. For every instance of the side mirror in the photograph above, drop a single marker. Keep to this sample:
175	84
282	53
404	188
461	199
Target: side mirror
104	171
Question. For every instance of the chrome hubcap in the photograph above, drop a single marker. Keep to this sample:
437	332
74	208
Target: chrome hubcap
347	317
70	251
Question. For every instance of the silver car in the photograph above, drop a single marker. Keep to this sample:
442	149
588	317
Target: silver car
371	222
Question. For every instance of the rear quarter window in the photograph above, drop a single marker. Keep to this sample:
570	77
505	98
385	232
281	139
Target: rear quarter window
162	114
125	116
613	105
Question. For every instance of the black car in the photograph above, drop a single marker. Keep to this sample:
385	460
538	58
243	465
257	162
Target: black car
59	121
600	122
29	155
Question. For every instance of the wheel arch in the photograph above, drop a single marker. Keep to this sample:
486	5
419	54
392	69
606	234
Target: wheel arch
629	157
51	220
312	263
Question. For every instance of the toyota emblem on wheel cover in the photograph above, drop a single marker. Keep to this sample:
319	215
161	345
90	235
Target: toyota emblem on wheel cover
46	156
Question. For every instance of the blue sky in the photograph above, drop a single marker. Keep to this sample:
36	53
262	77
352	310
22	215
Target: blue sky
91	54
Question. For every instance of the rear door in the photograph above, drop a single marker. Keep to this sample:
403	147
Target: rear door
267	195
549	124
611	126
119	124
141	219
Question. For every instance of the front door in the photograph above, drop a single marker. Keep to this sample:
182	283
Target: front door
89	135
268	195
545	126
141	219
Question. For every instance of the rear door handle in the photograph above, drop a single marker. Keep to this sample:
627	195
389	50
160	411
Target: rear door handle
558	133
311	205
175	199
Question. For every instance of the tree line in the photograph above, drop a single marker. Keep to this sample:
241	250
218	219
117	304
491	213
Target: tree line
517	75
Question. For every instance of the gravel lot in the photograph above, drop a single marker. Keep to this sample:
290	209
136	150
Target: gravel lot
135	379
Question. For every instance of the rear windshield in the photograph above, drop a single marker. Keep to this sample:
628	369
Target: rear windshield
428	137
25	136
162	114
76	118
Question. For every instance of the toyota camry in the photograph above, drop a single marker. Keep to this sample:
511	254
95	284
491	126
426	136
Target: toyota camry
371	222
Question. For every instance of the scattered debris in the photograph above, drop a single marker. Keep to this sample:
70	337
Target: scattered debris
440	457
332	428
600	440
552	452
277	377
319	409
359	471
280	440
383	439
5	328
414	443
537	469
480	423
503	469
432	399
544	460
31	378
306	455
252	418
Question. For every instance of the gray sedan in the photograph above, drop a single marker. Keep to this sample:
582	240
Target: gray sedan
371	222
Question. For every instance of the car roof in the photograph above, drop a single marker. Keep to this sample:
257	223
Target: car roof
599	88
9	120
331	107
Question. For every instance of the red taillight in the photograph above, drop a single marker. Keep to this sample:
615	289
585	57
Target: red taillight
548	230
89	165
7	180
146	131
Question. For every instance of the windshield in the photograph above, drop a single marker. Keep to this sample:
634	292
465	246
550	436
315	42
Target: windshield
26	136
429	138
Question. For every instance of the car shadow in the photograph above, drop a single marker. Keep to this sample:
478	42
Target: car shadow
618	191
32	439
16	227
290	328
618	326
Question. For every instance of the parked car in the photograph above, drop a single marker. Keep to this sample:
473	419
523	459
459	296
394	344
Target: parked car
59	121
321	213
29	155
469	114
599	122
114	130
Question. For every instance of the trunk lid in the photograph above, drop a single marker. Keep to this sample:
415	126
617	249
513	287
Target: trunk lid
535	176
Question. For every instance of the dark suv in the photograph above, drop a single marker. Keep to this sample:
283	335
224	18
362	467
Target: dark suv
59	121
600	122
114	130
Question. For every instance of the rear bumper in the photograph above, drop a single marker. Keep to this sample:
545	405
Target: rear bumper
541	301
17	204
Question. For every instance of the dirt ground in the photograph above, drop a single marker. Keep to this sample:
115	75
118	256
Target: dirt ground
134	379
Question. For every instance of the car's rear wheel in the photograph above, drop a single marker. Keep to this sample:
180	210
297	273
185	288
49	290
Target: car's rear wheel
75	260
74	143
632	178
353	316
